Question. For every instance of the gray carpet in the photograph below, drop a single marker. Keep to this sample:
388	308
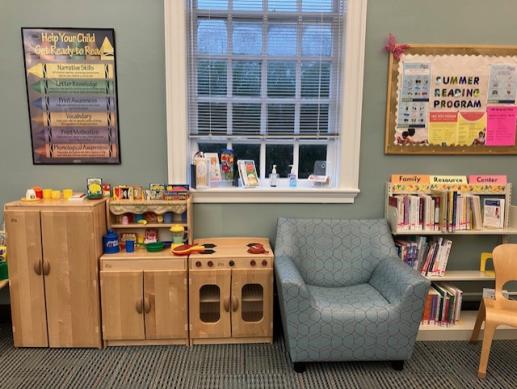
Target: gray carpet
434	364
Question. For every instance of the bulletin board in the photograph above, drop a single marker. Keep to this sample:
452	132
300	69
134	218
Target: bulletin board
452	100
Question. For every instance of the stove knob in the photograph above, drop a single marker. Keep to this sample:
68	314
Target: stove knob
264	263
198	264
252	262
231	263
210	264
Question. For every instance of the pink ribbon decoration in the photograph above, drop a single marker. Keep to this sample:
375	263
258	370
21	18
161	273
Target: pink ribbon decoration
394	48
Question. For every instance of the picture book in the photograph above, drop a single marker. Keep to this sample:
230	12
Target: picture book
248	173
493	213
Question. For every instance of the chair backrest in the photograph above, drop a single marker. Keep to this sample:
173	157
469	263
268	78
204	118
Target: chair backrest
334	252
505	265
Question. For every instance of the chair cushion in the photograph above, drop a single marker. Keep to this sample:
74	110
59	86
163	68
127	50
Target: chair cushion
362	297
334	252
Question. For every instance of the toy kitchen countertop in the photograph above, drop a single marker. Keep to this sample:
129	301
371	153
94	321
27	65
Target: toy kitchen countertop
231	252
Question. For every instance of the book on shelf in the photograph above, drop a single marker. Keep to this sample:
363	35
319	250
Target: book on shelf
445	211
493	213
425	255
442	305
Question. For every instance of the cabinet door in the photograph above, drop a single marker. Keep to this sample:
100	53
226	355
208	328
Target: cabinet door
252	303
70	268
209	303
122	305
27	291
165	304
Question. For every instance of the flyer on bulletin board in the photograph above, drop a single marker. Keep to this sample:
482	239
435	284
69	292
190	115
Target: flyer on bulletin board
71	94
451	100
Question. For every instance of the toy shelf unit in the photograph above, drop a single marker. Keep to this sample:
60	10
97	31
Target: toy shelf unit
462	328
139	216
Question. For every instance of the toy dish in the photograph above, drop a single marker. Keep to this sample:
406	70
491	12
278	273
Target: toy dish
29	200
154	247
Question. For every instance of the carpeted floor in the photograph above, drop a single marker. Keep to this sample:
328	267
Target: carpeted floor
434	364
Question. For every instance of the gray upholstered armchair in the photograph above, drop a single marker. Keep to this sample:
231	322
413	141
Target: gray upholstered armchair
344	294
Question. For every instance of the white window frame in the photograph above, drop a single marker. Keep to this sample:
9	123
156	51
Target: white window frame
175	22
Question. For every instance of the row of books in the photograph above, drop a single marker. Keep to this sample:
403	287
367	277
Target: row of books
428	256
442	305
446	211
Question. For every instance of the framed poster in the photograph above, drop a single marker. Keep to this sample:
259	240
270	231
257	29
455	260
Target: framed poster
71	82
452	100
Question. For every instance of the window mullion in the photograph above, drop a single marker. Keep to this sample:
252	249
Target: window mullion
263	160
263	77
298	72
229	72
296	156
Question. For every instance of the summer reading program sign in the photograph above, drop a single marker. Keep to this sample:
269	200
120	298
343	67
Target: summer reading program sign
452	100
71	92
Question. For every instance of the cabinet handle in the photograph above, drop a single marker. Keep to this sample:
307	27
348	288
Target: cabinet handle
147	305
46	268
235	303
139	305
37	267
226	304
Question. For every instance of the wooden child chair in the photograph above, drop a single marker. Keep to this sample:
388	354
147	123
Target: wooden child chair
498	311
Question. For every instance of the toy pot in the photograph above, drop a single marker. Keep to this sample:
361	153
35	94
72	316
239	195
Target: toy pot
110	242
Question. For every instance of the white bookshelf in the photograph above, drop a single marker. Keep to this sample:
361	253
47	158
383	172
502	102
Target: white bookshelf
464	275
462	330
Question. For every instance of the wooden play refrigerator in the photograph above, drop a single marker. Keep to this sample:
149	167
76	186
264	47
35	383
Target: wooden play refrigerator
54	248
231	293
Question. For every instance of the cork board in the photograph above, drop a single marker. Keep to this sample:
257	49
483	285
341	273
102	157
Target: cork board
446	99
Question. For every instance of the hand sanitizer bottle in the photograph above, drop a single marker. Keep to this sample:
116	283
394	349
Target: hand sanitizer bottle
273	177
293	182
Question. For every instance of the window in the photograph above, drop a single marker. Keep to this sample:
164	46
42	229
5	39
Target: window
268	79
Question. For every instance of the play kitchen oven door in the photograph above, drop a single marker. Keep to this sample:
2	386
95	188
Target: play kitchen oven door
231	298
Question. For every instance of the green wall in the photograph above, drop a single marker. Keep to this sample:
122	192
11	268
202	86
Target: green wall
141	74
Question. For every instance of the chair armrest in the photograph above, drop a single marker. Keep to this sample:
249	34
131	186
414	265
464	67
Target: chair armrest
289	279
397	282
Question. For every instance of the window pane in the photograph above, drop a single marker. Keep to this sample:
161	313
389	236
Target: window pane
246	78
315	79
282	39
281	156
246	119
314	118
211	118
247	5
317	5
247	38
212	4
281	79
281	5
280	118
317	40
211	36
309	154
211	77
211	147
248	151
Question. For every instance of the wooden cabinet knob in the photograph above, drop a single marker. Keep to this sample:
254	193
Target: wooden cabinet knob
252	262
147	305
226	304
231	263
139	305
37	267
235	303
46	268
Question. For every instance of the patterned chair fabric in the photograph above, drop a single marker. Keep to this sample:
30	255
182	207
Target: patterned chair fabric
344	293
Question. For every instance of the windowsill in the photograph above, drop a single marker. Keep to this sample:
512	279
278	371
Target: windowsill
275	195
